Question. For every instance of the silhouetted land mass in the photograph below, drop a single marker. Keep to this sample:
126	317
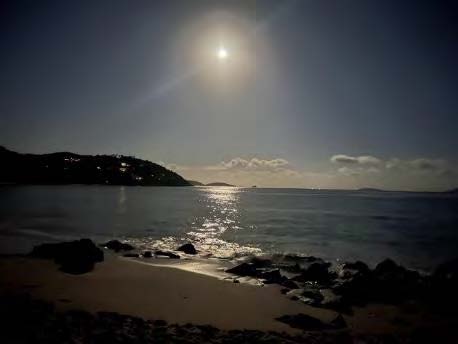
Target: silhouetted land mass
195	183
71	168
219	184
370	190
452	191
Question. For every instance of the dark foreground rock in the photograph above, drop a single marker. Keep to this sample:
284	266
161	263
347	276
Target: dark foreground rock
316	272
187	248
387	283
117	246
313	281
447	273
74	257
168	254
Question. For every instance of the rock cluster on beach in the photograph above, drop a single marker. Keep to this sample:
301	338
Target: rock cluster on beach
118	246
307	279
187	248
315	282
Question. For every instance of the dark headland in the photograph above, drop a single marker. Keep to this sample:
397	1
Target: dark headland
71	168
196	183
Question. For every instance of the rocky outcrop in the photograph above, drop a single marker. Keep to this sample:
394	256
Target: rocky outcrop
117	246
168	254
316	272
74	257
187	248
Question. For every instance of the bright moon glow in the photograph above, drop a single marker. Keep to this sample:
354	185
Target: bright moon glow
222	53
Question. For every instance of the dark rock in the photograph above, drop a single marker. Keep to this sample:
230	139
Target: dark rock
349	270
244	269
295	258
358	266
272	276
167	254
339	322
386	267
388	283
303	322
261	262
313	294
289	284
131	255
315	272
74	257
395	283
357	290
447	272
117	246
187	248
444	281
335	302
160	323
147	254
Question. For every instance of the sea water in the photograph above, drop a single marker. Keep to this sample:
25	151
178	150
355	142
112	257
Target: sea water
419	230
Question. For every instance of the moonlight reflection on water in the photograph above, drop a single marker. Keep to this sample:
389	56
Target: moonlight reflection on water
223	215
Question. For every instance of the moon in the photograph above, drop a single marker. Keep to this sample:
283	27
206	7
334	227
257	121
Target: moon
222	53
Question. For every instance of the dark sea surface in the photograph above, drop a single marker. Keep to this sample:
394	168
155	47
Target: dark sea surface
419	230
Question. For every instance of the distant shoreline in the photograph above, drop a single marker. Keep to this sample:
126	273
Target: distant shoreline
449	192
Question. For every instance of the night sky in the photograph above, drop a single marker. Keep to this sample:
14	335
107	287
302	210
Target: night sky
329	94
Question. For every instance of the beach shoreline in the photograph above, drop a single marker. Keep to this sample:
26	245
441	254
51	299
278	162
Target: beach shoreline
153	292
169	291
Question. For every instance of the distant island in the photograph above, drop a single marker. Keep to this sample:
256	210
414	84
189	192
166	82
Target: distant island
196	183
370	190
219	184
71	168
452	191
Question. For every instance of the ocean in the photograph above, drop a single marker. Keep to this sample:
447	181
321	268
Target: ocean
418	230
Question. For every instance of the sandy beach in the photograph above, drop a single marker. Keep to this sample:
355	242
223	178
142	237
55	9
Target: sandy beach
178	296
153	292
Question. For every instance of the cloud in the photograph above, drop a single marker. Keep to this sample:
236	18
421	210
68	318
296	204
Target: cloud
422	165
345	172
357	171
256	164
344	159
367	160
427	164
